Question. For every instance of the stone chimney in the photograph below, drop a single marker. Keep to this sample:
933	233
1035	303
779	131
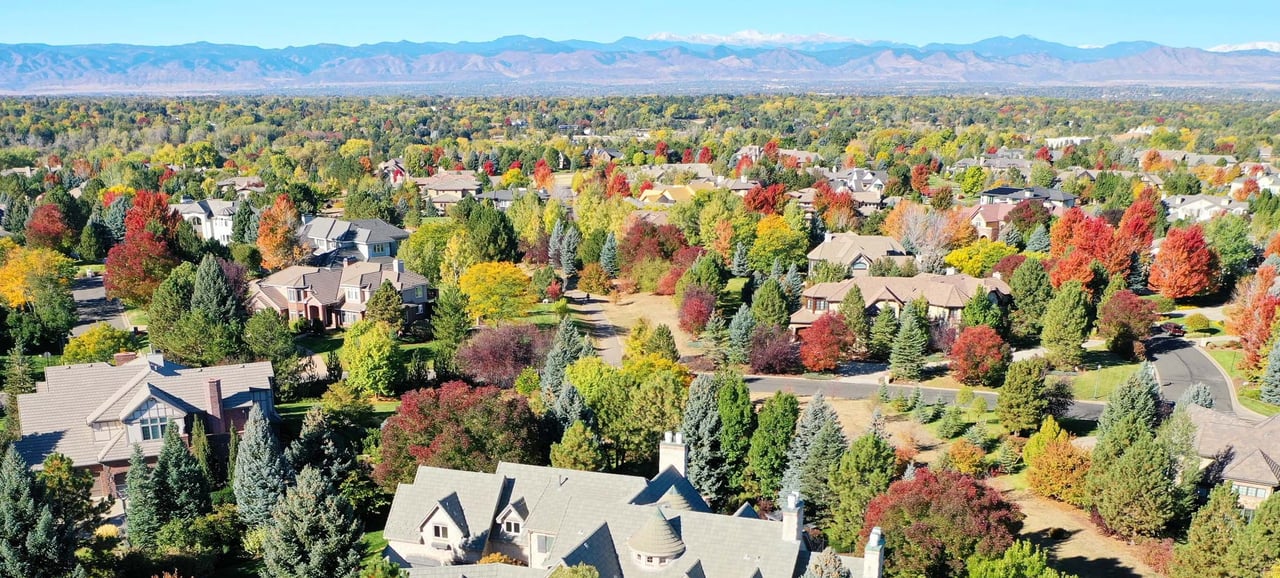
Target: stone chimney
793	518
873	556
216	424
123	357
672	453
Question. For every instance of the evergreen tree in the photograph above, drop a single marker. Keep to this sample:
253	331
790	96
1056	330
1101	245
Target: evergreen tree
609	256
1198	394
1213	529
449	325
212	294
1135	401
883	333
1136	496
828	447
240	222
662	343
313	532
95	240
568	346
579	449
141	503
569	245
816	414
322	446
32	543
793	285
233	448
570	407
182	491
1257	547
979	310
1271	378
739	266
1010	236
864	472
1023	400
740	330
261	472
169	303
1066	324
386	305
769	304
1039	241
555	242
826	564
737	425
251	232
1031	291
112	217
702	429
1020	560
200	447
906	359
767	457
854	312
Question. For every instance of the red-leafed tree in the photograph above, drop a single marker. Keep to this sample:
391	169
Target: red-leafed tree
684	257
47	228
542	177
151	211
920	178
1027	214
766	200
1246	190
1185	266
497	355
660	151
1006	266
773	351
934	522
744	164
458	427
1137	228
979	356
1043	153
1076	266
136	266
1251	314
1273	246
696	309
705	156
1125	321
1064	231
687	156
489	167
1095	238
618	185
825	343
643	240
771	150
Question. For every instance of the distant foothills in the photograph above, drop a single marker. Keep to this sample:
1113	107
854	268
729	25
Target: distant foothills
518	64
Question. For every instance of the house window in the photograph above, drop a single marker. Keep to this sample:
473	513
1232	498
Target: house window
542	543
511	527
418	292
1250	491
820	305
440	531
379	249
153	427
353	294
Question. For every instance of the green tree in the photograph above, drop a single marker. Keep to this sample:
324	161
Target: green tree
95	240
816	414
313	532
1270	380
423	252
212	293
1031	291
1136	495
578	571
372	358
1213	529
853	309
1023	400
737	426
744	324
1039	241
1066	324
702	428
66	491
906	359
609	256
828	447
767	457
240	222
579	449
1257	547
568	346
769	304
267	337
99	344
141	503
261	472
1022	560
980	310
973	181
1134	401
864	472
200	448
450	325
386	306
32	542
883	333
180	485
1048	433
662	343
1228	236
384	567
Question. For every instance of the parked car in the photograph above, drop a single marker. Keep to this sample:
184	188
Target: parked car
1173	329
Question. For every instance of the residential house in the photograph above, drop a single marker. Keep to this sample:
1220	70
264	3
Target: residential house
946	295
857	252
675	172
1060	142
622	525
337	297
501	199
601	155
1184	157
334	241
461	183
856	180
242	187
1200	208
670	194
990	220
1246	453
1014	195
393	171
1265	153
1266	183
211	218
1091	175
94	413
27	172
753	152
993	164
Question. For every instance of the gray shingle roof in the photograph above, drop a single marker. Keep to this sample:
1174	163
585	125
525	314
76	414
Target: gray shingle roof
656	537
1250	451
475	494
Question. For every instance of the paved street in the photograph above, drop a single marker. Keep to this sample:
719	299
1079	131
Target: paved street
1179	364
92	305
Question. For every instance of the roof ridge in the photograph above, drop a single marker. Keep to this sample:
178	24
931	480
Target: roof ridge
118	395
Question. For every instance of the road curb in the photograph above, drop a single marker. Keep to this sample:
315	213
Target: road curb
1236	406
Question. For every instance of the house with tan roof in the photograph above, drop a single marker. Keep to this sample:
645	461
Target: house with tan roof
337	297
461	183
94	413
622	525
669	194
946	295
1246	453
857	252
242	187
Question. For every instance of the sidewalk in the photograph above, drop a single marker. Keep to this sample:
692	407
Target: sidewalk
599	327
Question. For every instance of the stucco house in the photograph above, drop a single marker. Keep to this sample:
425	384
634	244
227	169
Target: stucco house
857	252
337	297
94	413
1013	195
1246	453
462	183
946	295
1200	208
211	218
242	187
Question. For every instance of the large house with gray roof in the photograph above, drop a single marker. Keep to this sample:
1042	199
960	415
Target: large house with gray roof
211	218
94	413
545	518
945	294
334	241
1052	198
337	297
1245	454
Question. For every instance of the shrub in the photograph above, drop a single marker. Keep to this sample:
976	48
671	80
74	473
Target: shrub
593	279
626	286
1060	472
696	309
966	457
1197	323
667	284
772	351
980	356
496	355
648	272
952	423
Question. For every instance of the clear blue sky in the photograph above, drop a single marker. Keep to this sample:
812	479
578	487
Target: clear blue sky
277	23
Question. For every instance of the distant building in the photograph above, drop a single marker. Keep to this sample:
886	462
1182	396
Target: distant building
242	187
946	295
1014	195
211	218
1200	208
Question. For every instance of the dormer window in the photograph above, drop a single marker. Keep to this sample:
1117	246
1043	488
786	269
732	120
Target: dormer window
511	527
440	532
353	294
153	427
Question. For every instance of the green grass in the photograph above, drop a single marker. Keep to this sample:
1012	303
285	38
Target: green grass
731	296
136	318
95	267
1099	383
1228	359
1017	481
322	342
542	315
1249	399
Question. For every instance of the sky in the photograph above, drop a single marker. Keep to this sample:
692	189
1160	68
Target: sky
279	23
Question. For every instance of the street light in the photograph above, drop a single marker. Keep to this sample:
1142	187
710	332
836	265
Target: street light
1097	377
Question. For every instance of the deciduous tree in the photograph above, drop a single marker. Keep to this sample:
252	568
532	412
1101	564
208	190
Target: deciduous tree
767	457
825	343
99	343
1060	471
372	358
979	356
1125	321
278	234
496	292
1185	266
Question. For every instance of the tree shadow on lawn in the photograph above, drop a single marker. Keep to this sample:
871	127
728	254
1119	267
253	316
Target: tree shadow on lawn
1050	539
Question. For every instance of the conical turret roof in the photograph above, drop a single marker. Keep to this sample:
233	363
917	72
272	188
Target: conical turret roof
657	538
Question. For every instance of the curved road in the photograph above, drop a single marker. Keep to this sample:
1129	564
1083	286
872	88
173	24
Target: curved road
1179	364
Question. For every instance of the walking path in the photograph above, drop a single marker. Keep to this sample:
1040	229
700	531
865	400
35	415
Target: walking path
599	327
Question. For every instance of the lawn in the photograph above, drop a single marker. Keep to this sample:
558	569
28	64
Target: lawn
136	317
1108	371
1229	359
543	315
321	343
731	296
374	544
1249	399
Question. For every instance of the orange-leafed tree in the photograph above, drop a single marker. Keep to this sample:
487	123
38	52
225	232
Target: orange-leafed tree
278	235
765	200
1273	246
1095	238
1152	161
1076	266
919	178
1064	231
1185	266
1251	314
1246	190
618	185
1137	228
825	343
542	175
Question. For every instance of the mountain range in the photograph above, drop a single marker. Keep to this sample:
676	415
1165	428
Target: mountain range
516	64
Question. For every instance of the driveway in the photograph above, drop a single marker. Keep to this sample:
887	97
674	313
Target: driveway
1084	410
92	305
1179	364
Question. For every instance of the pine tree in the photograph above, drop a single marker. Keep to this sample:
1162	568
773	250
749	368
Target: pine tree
609	256
1048	433
1010	236
739	266
32	543
140	503
864	472
200	446
854	312
1066	324
579	449
566	348
979	310
1031	291
570	407
449	325
386	306
1134	401
182	490
1213	529
312	532
1198	394
1257	547
240	222
1136	496
212	294
1039	241
906	359
95	240
828	447
816	414
321	446
261	472
1023	399
1271	378
826	565
662	343
233	447
737	425
767	457
793	286
702	429
769	304
251	232
883	333
569	251
555	242
17	381
740	330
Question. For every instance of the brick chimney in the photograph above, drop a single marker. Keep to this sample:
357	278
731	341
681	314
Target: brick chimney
873	556
793	518
123	357
216	425
673	453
